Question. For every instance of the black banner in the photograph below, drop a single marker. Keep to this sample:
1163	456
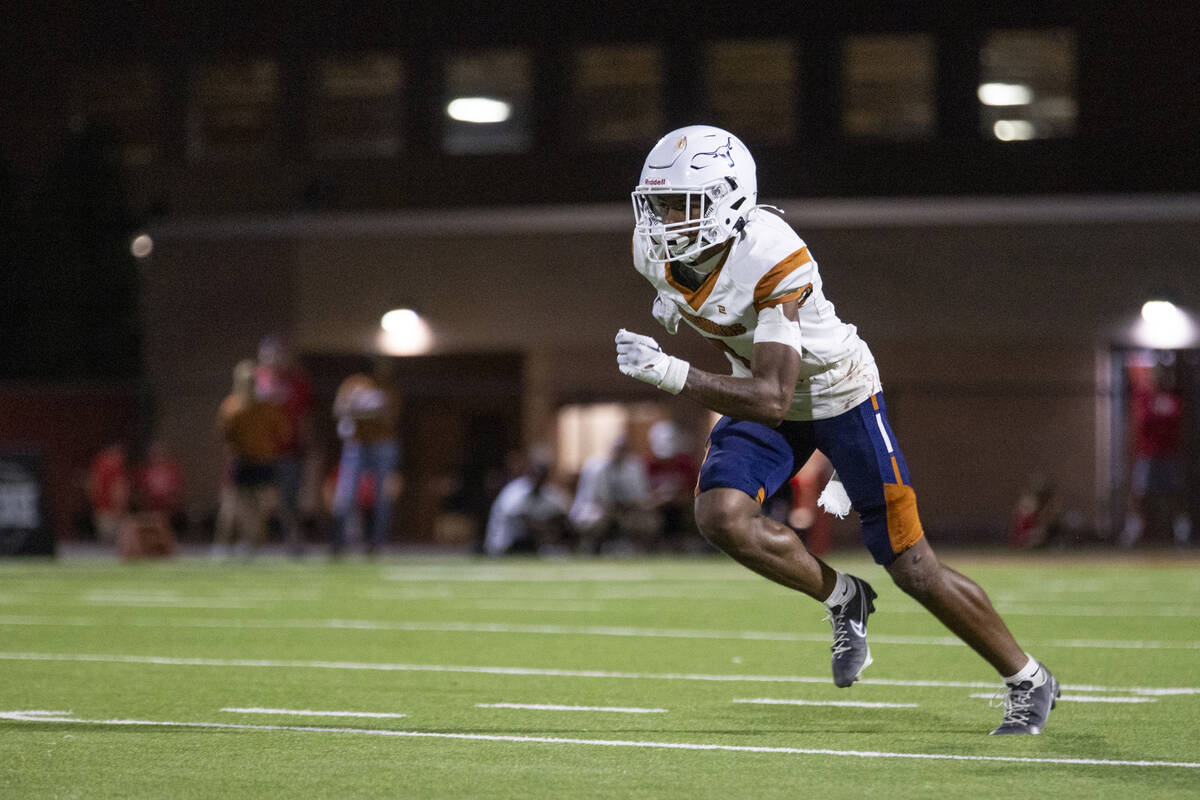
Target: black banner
24	529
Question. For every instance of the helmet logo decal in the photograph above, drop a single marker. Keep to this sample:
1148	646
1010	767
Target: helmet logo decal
725	151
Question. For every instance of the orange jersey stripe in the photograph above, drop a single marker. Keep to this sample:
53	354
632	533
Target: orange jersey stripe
800	294
903	522
767	283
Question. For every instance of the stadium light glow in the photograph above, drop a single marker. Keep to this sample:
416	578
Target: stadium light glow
478	110
1013	130
141	246
404	333
1165	326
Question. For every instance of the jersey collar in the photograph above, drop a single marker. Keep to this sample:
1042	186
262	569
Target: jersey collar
696	297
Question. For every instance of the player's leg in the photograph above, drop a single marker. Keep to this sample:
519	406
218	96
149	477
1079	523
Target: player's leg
865	453
344	493
960	604
963	607
746	463
734	523
383	458
287	483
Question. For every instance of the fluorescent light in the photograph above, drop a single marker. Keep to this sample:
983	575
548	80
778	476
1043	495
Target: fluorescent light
1004	94
479	110
1013	130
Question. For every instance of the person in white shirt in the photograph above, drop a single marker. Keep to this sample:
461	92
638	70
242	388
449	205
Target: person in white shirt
612	501
529	514
801	380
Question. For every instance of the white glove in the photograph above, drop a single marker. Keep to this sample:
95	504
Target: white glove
834	499
640	357
666	312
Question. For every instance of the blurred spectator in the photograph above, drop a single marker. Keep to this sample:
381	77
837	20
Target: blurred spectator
1156	480
1037	517
612	501
805	517
159	486
530	513
109	491
279	380
672	472
255	433
366	408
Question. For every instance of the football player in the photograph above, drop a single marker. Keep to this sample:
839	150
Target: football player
801	380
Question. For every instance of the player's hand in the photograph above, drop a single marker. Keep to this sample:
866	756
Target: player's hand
640	357
666	312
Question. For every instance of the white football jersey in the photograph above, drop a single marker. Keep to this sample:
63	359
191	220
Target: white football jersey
769	265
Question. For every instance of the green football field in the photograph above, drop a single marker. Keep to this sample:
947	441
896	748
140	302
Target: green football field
440	677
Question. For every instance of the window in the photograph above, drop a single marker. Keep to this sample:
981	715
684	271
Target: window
1027	85
357	106
617	95
752	88
487	103
126	99
233	111
593	428
889	86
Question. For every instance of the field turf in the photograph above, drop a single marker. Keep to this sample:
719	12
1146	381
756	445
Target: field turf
441	677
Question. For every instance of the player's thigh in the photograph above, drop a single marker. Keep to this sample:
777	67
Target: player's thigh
752	458
863	449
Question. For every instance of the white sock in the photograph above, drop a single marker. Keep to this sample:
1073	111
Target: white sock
843	590
1032	671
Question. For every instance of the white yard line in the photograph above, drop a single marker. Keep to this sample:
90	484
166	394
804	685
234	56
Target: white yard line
1121	611
180	603
606	630
550	707
1088	698
19	716
172	661
305	712
573	606
770	701
150	598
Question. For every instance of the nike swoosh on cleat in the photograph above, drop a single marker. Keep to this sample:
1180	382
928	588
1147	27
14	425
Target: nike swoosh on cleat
858	628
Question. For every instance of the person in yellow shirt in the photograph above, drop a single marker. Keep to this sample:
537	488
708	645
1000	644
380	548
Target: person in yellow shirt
255	433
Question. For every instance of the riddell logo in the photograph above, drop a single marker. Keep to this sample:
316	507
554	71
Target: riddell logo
655	181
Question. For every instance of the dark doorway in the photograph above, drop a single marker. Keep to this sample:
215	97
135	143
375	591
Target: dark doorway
1156	446
460	417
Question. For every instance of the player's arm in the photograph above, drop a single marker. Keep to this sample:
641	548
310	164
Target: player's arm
763	397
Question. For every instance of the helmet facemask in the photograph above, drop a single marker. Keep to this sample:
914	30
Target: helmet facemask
684	239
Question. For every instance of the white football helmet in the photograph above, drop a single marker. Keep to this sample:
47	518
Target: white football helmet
713	174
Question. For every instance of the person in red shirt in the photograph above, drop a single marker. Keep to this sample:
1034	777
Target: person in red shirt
1156	479
159	486
108	489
